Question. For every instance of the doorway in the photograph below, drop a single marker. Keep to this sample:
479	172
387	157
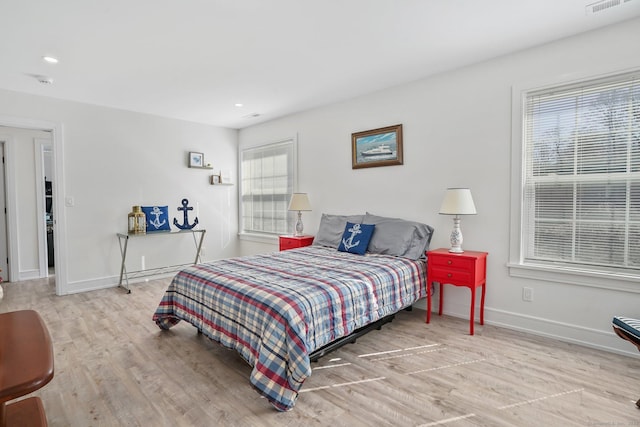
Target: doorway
42	150
15	173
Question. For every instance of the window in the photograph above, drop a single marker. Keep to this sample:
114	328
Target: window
580	193
266	186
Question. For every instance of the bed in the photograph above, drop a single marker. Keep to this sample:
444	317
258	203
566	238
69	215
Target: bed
279	310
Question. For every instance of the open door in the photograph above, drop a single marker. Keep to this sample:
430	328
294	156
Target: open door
44	204
4	254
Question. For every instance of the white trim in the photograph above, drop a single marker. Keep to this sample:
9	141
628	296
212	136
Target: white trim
516	265
253	236
39	144
28	275
12	209
539	326
259	238
59	215
576	276
561	331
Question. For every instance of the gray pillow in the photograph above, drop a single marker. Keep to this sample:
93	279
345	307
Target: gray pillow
332	227
398	237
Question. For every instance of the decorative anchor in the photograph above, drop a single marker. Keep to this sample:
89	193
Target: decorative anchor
348	243
185	209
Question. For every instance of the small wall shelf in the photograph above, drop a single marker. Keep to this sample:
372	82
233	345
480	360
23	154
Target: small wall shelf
201	167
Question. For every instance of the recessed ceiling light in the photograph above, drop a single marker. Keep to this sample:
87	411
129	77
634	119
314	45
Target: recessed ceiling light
238	105
50	59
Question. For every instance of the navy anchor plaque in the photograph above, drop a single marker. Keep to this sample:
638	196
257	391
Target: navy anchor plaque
185	224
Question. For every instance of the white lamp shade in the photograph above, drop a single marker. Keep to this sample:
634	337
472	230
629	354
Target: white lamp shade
299	202
458	201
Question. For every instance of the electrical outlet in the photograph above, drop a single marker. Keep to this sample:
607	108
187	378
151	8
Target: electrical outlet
527	294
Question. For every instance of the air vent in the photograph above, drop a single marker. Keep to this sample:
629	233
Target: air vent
44	79
251	116
603	5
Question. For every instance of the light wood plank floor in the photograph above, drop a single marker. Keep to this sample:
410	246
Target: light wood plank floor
114	367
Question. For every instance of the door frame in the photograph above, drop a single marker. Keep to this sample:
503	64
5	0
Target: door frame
4	262
40	145
59	224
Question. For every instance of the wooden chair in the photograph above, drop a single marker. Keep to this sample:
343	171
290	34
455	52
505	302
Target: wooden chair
26	364
628	329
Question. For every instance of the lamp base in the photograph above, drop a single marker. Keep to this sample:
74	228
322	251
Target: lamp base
299	225
456	237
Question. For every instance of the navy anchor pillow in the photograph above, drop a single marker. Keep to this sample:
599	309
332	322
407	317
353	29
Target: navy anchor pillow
157	217
355	238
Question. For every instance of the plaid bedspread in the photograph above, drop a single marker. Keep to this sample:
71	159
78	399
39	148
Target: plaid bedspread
275	309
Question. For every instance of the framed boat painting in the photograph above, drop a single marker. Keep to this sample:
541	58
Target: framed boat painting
377	147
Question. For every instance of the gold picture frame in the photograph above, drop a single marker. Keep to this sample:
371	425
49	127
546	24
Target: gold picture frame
377	147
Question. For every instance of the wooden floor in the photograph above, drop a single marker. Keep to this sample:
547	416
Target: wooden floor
114	367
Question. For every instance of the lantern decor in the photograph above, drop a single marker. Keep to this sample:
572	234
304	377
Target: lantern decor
137	221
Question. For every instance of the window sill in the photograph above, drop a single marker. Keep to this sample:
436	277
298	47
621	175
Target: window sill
259	238
581	277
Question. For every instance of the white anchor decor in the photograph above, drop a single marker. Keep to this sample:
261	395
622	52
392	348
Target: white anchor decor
185	224
157	218
156	213
349	243
355	238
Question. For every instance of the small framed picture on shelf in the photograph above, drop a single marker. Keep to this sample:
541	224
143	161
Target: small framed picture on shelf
225	176
196	160
215	179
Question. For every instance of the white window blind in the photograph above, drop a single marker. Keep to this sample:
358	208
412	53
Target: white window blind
267	183
581	194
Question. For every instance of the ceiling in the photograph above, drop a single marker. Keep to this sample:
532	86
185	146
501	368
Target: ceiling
195	59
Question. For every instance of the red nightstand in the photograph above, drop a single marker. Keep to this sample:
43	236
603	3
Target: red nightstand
468	268
292	242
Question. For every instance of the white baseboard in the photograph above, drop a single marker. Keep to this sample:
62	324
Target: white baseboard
29	275
107	282
605	340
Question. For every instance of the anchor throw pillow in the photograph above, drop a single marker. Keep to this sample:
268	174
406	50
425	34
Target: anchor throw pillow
157	218
355	238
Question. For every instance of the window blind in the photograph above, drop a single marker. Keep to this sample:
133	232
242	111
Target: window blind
581	195
267	180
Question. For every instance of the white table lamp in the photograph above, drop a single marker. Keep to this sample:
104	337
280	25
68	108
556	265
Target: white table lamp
299	202
457	201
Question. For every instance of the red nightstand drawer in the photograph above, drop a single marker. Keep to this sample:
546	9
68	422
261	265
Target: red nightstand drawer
292	242
447	276
452	262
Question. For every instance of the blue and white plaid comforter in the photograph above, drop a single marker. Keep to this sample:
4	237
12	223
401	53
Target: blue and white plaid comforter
275	309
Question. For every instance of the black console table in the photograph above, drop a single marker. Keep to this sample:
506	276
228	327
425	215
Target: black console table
123	240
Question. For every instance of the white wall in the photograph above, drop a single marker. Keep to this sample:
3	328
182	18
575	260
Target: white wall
457	132
115	159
